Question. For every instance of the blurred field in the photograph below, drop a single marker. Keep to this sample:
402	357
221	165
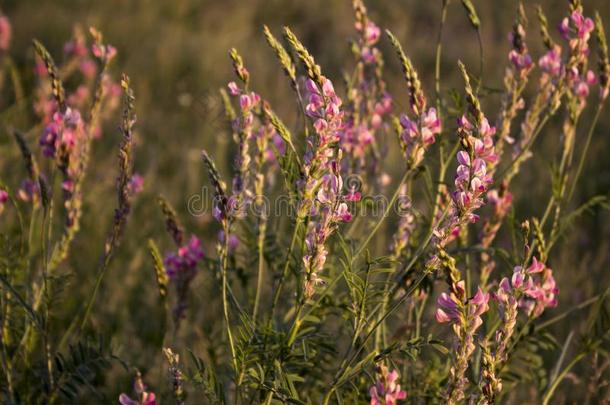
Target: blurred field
176	53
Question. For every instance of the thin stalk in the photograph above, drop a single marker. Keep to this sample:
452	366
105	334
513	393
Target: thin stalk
519	157
549	394
262	227
364	244
278	290
581	163
224	258
437	63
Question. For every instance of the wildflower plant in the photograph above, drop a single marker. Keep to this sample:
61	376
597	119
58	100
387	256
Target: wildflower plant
438	297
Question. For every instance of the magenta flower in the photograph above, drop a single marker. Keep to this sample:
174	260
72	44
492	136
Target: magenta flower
142	396
3	199
577	31
534	288
550	62
386	390
62	133
185	261
5	33
136	184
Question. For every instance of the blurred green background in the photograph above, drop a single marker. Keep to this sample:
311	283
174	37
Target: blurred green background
176	53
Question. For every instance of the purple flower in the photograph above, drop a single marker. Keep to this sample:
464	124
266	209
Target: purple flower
233	240
142	396
136	184
184	262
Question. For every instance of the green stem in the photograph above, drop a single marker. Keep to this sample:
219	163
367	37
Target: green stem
364	244
519	158
224	259
581	163
278	290
549	394
261	264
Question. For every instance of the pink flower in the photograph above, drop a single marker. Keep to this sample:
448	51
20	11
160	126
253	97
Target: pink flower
371	33
136	184
550	62
5	33
520	61
142	396
233	89
342	214
3	199
386	391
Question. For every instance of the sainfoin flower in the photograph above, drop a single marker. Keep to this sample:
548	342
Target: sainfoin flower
465	316
136	184
322	185
3	199
386	390
419	134
550	62
143	397
577	30
184	262
5	33
29	191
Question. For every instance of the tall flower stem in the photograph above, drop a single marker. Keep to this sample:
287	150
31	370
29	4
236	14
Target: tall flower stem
224	262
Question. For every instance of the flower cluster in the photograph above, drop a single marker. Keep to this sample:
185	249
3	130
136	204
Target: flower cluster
419	134
181	268
519	56
536	292
143	397
550	63
462	312
520	291
577	31
332	209
368	102
471	180
62	134
322	185
324	108
465	316
184	262
386	390
243	126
